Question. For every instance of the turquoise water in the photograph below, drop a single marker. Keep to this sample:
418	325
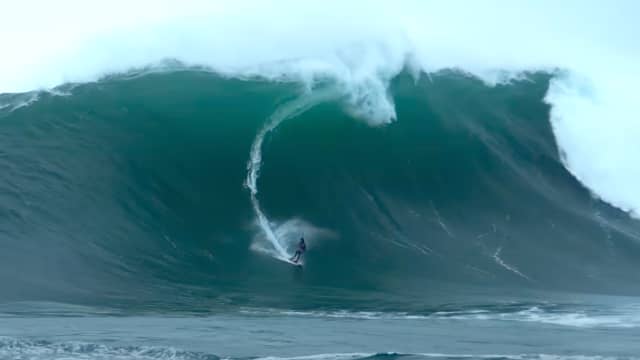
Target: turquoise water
129	228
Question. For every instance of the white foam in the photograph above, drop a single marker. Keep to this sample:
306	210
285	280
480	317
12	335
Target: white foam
623	317
616	318
511	268
596	122
16	101
338	314
328	356
12	348
361	44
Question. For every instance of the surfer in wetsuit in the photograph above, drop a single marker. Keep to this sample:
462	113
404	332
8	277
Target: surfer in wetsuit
302	247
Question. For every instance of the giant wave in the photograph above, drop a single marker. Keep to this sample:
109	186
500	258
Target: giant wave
419	146
362	45
129	188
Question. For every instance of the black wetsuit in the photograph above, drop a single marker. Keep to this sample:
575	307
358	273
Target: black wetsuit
302	247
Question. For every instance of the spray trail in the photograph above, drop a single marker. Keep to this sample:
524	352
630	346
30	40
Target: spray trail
286	111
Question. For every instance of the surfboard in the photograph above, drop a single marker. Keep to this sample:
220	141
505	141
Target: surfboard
299	263
287	258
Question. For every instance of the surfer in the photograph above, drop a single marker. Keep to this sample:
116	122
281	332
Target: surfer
302	247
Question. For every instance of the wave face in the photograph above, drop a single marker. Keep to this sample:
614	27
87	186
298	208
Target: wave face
137	188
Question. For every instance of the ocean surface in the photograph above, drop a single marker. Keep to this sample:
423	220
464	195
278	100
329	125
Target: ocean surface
145	216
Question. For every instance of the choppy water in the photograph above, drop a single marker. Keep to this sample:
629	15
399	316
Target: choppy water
53	331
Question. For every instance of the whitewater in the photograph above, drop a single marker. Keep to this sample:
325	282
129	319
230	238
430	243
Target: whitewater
362	45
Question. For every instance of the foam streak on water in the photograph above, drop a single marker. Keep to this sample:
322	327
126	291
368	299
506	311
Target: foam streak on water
286	111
